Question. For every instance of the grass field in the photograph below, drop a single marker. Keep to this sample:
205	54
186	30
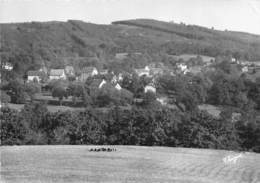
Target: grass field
35	164
187	57
51	108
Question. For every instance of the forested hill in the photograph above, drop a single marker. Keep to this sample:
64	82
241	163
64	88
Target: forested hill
211	42
28	45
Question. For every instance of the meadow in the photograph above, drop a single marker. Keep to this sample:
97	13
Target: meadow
32	164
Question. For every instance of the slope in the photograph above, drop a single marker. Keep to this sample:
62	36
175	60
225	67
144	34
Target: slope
127	164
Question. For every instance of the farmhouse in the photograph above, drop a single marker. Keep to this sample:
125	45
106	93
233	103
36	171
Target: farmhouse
244	69
118	87
182	67
57	74
87	72
103	71
35	76
149	88
156	71
143	72
7	66
162	100
102	83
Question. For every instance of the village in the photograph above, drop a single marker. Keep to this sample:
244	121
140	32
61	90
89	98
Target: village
190	65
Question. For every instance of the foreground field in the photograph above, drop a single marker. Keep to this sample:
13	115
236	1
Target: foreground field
128	164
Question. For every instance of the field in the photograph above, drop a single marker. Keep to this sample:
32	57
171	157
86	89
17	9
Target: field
211	109
187	57
32	164
51	108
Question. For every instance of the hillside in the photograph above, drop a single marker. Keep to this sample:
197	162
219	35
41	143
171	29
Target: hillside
210	42
55	44
127	164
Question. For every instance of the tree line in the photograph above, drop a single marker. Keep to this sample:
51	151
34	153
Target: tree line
140	125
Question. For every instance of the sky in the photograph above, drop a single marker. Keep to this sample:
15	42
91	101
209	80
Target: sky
237	15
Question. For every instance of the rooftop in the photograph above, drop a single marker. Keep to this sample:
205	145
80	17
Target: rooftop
56	72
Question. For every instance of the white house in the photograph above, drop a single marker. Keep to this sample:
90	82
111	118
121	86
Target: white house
102	83
118	87
120	77
103	71
88	72
34	76
143	72
182	67
7	66
244	69
149	88
162	100
57	74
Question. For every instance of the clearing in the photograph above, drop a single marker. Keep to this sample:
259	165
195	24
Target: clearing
32	164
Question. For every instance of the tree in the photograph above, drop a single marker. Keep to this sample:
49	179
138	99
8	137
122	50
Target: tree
60	92
228	91
4	97
32	88
180	91
149	98
107	95
13	131
76	90
126	97
253	92
16	91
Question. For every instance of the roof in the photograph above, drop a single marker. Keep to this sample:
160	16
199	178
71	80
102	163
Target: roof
34	73
56	72
121	56
88	69
141	70
69	67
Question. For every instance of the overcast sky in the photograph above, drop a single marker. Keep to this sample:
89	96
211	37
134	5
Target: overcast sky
238	15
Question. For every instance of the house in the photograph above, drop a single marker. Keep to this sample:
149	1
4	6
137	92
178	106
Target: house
87	72
7	66
162	100
120	77
69	71
149	88
143	72
57	74
103	71
194	70
156	71
102	83
244	69
182	67
35	76
121	56
118	87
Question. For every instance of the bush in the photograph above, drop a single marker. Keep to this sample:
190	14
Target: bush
4	97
